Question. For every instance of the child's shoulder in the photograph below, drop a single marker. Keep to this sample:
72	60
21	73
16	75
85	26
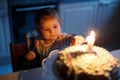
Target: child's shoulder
33	35
68	35
65	36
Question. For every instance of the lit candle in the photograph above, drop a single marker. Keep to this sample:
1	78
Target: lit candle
90	39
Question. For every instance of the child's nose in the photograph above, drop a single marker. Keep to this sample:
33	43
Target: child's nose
51	30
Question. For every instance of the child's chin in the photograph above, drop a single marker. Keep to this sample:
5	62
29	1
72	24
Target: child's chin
53	38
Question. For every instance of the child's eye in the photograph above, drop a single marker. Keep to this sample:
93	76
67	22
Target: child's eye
55	26
46	29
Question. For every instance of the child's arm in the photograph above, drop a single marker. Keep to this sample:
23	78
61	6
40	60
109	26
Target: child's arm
77	40
30	45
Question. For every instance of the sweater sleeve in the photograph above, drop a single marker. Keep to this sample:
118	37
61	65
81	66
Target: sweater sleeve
30	39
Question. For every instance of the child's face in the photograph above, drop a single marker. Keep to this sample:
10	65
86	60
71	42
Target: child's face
50	29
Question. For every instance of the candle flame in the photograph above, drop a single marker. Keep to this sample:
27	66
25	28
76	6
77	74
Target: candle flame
91	38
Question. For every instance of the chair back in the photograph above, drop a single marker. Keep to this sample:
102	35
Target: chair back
17	53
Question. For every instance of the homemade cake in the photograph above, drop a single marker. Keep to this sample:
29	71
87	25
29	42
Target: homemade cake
79	63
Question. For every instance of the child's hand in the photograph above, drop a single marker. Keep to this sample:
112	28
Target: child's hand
77	40
30	56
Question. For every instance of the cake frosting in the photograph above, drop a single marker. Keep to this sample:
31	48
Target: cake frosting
79	60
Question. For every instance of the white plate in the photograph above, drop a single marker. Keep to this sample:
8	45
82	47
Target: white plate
47	64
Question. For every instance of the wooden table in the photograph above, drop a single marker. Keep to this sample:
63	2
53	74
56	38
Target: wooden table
32	74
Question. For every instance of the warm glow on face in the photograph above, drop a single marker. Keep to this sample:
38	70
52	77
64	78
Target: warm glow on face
91	38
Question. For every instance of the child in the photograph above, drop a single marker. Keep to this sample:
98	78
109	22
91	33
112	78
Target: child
49	37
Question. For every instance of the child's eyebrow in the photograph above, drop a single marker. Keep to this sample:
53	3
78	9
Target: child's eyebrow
45	27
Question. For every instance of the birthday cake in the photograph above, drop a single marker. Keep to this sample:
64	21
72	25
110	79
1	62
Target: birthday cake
74	63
